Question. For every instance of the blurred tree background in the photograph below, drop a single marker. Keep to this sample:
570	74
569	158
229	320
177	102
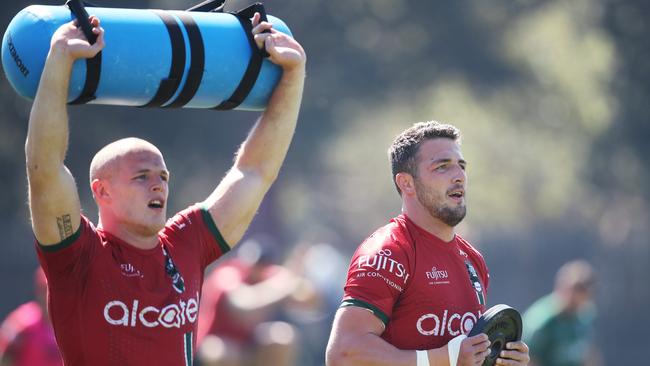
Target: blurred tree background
552	98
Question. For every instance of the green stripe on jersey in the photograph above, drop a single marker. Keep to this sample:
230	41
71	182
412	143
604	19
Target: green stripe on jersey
64	243
207	218
362	304
189	353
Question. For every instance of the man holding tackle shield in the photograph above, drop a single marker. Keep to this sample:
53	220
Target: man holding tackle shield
414	287
127	291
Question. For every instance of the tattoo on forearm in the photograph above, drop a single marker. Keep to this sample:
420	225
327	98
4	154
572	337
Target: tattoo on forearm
65	226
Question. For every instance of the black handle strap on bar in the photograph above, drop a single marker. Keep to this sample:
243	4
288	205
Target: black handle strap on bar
247	13
77	7
257	56
197	53
169	85
255	62
215	6
197	59
93	65
197	62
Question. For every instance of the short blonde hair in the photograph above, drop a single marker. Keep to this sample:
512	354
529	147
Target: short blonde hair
105	159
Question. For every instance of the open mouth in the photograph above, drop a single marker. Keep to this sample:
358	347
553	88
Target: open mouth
457	194
157	204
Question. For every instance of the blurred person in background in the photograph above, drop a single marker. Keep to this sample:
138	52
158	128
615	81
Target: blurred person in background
324	267
415	287
26	334
559	327
127	291
240	320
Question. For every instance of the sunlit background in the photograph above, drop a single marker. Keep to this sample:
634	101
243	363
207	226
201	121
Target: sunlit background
552	99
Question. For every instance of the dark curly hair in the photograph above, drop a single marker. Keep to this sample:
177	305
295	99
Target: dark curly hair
403	151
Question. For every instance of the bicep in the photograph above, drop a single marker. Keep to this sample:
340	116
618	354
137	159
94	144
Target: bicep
355	340
54	205
235	201
354	321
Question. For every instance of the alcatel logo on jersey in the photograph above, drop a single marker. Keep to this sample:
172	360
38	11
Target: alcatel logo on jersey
171	316
456	324
382	261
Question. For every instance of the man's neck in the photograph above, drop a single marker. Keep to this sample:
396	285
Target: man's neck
422	218
128	236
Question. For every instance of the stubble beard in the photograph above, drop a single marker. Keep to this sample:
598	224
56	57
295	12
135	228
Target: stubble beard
145	229
437	209
141	225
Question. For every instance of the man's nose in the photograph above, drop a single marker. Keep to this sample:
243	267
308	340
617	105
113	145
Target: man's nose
459	175
158	185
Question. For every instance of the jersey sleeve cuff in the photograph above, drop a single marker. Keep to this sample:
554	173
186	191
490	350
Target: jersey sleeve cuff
362	304
63	244
212	226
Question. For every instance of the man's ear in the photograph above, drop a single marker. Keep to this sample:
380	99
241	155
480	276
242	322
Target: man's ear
100	190
406	183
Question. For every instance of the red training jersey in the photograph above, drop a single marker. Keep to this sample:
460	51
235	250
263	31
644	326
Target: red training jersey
425	291
114	304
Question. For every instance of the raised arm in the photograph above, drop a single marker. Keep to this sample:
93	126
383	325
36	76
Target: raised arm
238	196
356	340
53	196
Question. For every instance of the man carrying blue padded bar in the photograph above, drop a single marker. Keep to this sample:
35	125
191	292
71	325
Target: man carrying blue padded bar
127	291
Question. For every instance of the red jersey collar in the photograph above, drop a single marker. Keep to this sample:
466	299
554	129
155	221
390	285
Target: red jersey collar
108	238
413	228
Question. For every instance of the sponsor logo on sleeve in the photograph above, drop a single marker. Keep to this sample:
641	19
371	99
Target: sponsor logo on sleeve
381	265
